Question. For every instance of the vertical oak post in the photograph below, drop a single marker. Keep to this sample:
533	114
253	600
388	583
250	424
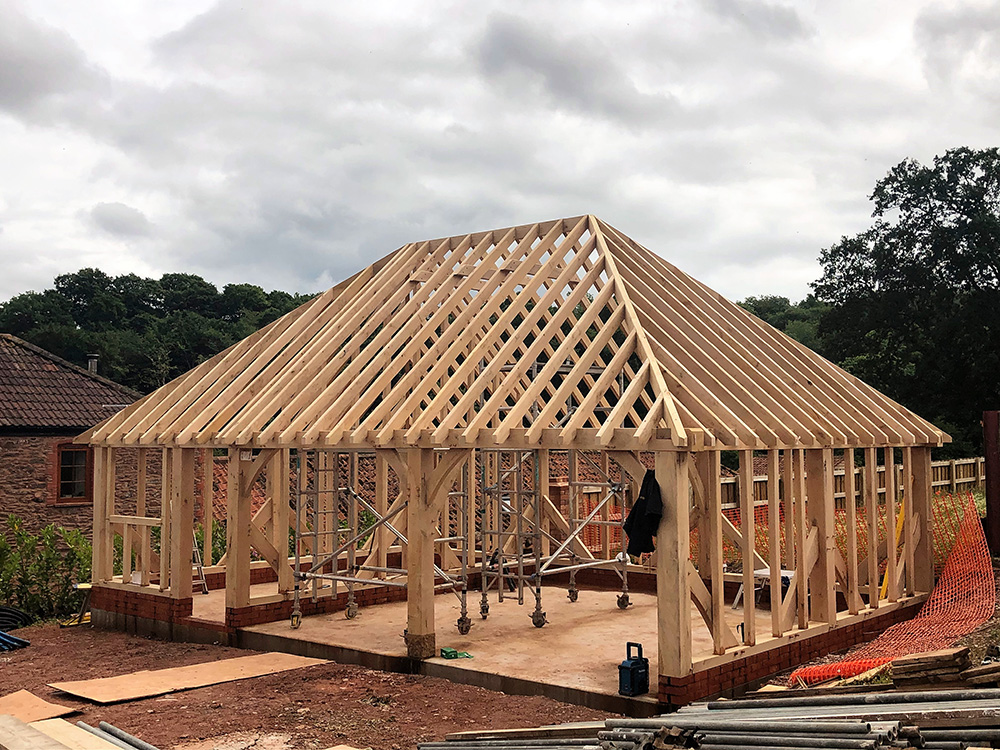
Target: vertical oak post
909	528
279	488
673	597
871	514
544	493
709	467
237	530
181	521
747	546
102	560
381	539
820	508
890	525
166	477
208	504
420	512
774	541
923	551
799	501
145	549
851	506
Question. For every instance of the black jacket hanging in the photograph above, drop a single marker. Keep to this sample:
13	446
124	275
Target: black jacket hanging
644	518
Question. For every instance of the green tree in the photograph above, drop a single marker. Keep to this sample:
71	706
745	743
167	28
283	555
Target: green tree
915	299
146	331
800	320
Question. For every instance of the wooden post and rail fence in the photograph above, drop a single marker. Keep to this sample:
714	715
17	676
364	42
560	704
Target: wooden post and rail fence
956	475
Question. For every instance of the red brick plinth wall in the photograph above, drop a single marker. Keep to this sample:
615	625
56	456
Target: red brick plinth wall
139	604
241	617
735	677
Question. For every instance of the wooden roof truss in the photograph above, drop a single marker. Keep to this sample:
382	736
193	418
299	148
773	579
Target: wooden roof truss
564	333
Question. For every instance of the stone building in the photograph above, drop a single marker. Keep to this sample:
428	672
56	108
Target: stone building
45	402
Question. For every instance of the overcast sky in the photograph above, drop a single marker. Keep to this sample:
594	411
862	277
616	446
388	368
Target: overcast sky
289	144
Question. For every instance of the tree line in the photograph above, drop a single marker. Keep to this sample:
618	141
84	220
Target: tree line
911	305
146	331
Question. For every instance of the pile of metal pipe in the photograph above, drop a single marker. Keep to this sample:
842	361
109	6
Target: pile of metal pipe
710	732
932	720
592	744
115	736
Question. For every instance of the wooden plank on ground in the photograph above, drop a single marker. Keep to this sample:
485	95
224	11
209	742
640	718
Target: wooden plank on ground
985	670
17	735
72	736
28	707
146	683
925	657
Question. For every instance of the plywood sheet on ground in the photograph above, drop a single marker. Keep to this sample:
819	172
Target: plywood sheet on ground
72	736
28	707
145	684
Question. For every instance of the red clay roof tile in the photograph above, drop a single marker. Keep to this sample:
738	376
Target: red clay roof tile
39	390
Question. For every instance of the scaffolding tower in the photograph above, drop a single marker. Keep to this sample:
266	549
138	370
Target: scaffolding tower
334	522
516	547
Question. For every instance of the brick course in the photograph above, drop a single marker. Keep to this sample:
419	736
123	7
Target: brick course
140	604
736	677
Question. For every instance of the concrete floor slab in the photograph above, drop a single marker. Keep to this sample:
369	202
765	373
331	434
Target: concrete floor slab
579	650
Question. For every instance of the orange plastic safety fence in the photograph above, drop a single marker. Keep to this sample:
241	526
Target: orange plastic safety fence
963	599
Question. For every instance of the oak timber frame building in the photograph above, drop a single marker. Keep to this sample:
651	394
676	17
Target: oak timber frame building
461	357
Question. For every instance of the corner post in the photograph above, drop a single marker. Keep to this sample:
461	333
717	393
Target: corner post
101	558
673	596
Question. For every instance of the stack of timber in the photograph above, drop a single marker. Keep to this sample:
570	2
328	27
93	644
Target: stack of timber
949	667
932	719
932	668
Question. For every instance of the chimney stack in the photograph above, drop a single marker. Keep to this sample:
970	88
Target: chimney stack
92	362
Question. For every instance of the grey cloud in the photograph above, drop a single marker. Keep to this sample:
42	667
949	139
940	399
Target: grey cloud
44	75
760	18
120	220
952	38
285	144
579	74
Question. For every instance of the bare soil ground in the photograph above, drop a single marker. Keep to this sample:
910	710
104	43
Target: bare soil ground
315	707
